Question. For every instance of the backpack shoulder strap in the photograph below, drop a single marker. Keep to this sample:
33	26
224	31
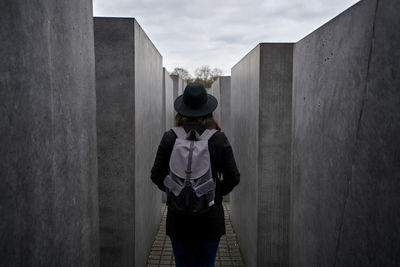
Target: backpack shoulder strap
208	133
180	132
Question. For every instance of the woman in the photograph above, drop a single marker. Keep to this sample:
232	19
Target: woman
195	238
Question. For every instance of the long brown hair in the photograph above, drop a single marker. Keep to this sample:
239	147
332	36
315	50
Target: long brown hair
206	122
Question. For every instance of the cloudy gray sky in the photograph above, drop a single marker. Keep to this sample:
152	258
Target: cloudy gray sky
219	33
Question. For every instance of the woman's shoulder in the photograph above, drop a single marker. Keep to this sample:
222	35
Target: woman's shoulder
220	139
169	134
219	135
168	138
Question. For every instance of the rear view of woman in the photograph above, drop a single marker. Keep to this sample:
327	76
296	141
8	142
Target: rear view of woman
195	218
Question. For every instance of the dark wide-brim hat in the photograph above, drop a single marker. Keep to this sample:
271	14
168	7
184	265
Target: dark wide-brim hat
195	101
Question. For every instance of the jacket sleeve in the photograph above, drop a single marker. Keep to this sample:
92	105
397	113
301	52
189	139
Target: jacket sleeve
161	163
230	172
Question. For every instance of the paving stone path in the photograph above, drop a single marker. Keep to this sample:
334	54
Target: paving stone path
228	251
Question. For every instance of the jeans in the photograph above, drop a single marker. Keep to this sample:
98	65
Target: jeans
193	253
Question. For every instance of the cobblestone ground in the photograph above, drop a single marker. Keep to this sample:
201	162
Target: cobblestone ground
228	251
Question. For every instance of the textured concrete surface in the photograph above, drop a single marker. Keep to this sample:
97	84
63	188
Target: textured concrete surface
184	83
225	105
168	102
178	85
130	125
48	166
148	133
221	89
346	140
228	253
261	94
168	107
225	113
244	122
215	91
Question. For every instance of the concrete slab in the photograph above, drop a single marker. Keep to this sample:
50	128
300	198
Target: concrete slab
346	127
225	105
184	84
215	91
130	125
169	111
221	89
48	166
168	100
261	92
178	84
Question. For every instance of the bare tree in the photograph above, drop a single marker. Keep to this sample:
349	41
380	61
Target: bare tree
206	76
216	72
182	72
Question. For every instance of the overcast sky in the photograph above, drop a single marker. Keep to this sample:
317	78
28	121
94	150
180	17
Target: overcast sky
219	33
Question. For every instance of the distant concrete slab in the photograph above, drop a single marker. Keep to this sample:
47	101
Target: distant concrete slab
225	105
130	124
169	111
221	89
178	84
261	116
168	102
345	185
215	90
48	166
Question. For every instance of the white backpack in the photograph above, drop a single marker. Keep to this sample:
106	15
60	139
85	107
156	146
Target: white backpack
190	186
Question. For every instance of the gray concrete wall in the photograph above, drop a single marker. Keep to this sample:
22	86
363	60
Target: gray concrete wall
225	105
215	91
168	91
148	132
130	125
48	166
225	109
178	85
184	83
221	89
346	140
261	90
168	103
114	47
245	75
274	154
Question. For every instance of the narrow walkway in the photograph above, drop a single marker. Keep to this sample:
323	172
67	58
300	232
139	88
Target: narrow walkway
228	251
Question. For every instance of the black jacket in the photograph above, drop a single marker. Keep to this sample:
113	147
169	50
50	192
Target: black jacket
210	225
